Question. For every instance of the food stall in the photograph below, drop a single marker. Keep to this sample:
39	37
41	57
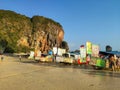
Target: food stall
67	58
96	61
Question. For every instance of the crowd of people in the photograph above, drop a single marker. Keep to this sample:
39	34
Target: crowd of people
113	63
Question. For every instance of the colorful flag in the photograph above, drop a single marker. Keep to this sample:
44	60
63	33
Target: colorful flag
95	50
89	47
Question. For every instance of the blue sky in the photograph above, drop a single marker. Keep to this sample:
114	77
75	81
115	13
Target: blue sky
97	21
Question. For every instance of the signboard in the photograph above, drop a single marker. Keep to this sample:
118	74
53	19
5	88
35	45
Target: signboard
61	51
31	55
55	50
82	52
95	50
89	47
58	51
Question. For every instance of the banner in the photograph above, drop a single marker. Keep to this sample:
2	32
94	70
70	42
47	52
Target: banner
89	47
55	50
95	50
58	51
31	55
82	52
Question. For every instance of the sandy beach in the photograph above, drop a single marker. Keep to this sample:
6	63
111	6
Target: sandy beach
16	75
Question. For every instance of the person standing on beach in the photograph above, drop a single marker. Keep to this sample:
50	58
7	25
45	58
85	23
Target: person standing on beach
2	57
113	63
20	57
118	64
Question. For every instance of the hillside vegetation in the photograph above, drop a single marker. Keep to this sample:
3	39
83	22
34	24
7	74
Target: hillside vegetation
19	33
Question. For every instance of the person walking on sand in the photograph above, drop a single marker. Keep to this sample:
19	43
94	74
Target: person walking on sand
2	57
20	58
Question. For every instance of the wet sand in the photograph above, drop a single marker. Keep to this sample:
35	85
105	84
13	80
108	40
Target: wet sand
16	75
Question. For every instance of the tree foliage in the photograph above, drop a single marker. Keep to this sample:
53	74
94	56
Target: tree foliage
41	23
64	45
12	27
108	48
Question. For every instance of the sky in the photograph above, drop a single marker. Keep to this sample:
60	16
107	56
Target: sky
97	21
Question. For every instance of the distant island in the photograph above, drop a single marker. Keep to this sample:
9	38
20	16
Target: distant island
19	33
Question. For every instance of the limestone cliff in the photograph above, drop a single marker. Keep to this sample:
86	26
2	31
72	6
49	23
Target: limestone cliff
21	33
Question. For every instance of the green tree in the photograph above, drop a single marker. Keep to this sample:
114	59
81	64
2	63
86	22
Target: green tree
64	45
108	48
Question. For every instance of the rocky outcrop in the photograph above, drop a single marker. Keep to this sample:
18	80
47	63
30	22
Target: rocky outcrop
22	33
47	33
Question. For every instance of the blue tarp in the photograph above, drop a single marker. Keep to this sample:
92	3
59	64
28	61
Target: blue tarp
112	52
